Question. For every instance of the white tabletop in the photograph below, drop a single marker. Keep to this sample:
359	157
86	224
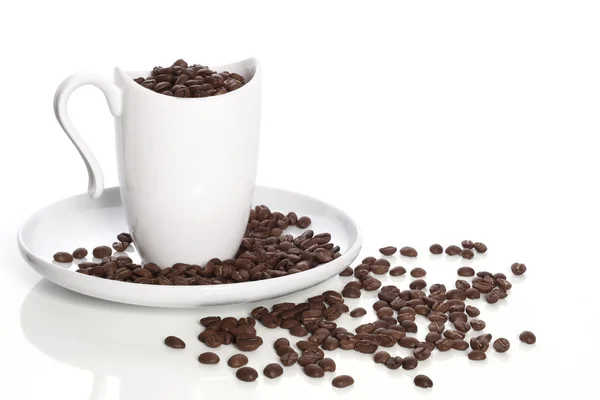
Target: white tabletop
483	129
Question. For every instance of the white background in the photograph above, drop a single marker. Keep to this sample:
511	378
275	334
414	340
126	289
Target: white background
428	121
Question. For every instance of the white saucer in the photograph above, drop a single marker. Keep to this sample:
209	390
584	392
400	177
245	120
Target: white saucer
81	222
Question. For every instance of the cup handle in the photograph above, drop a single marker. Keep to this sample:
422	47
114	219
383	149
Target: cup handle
61	98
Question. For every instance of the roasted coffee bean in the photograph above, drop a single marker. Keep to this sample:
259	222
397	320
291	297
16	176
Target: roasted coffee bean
207	321
477	355
467	254
437	316
418	272
273	371
477	324
174	342
408	342
289	358
281	342
347	343
384	312
237	361
408	251
460	344
303	222
246	374
348	271
298	330
381	357
481	343
304	345
518	268
492	297
394	362
501	345
467	244
369	260
248	342
418	284
381	262
444	344
379	269
327	364
79	253
527	337
208	358
330	344
409	326
423	381
63	257
453	334
370	283
358	312
480	247
436	327
462	326
314	371
456	294
120	246
465	271
397	271
342	381
102	251
432	337
361	272
410	363
472	293
453	250
351	293
472	311
463	285
436	249
388	250
482	287
504	284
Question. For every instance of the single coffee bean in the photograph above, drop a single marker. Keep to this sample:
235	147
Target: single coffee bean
456	294
467	244
418	272
379	269
444	344
467	254
63	256
472	311
460	344
476	355
423	381
503	284
421	353
358	312
436	249
314	371
208	358
481	343
518	268
247	342
477	324
408	342
298	331
472	293
246	374
348	271
410	363
369	260
237	361
418	284
527	337
120	246
453	250
273	371
330	344
388	250
342	381
125	237
453	334
102	251
394	362
436	327
397	271
80	252
465	271
206	321
479	247
281	342
289	358
408	251
463	285
327	364
174	342
501	345
303	222
492	297
370	283
381	357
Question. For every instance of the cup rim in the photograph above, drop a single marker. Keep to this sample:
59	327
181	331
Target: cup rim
127	78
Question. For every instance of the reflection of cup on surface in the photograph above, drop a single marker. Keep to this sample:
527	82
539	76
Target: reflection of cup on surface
187	166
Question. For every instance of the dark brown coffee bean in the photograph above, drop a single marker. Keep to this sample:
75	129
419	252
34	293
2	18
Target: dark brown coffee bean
358	312
206	321
477	324
462	326
423	381
456	294
142	272
369	260
418	284
162	86
472	293
124	237
379	269
102	251
289	358
208	358
408	342
348	343
436	327
384	312
246	374
314	371
381	357
237	361
303	222
388	250
504	284
480	247
348	271
248	342
453	334
436	249
444	344
303	345
397	271
437	316
453	250
463	285
281	342
342	381
410	363
481	343
80	253
394	362
120	246
501	345
482	287
467	254
237	77
472	311
298	331
370	283
467	244
174	342
215	340
477	355
465	271
492	297
408	251
327	364
518	268
273	371
330	344
148	83
63	256
418	272
527	337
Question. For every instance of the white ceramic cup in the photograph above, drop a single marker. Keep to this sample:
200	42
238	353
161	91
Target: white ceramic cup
187	166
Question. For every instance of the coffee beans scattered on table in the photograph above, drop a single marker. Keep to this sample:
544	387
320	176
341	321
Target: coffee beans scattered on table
63	256
80	253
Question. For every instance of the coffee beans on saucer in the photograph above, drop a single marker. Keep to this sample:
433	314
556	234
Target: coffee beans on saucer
183	80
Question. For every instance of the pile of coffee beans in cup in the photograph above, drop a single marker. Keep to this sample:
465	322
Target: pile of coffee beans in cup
448	321
266	252
183	80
